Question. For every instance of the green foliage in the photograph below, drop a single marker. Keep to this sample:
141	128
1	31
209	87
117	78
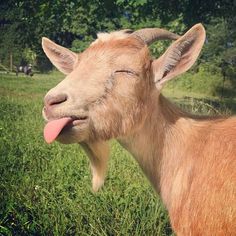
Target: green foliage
79	45
201	82
29	56
219	54
74	24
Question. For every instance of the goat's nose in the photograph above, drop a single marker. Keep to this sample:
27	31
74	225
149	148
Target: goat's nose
51	100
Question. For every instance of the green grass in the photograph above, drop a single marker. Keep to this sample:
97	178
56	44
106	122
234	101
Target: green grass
46	189
202	93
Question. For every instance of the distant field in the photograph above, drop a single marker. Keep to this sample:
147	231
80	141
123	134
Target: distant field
46	189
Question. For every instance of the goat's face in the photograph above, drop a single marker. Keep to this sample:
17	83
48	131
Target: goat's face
103	93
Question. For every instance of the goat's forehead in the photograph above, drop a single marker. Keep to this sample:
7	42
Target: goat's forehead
113	45
117	49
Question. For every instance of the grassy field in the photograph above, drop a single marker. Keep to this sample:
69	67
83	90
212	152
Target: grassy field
46	189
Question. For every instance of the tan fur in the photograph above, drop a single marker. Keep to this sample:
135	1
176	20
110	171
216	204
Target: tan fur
103	37
192	164
98	153
189	160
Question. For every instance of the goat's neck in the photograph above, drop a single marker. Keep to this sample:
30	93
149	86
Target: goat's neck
158	144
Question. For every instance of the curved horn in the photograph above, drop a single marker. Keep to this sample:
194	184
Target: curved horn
150	35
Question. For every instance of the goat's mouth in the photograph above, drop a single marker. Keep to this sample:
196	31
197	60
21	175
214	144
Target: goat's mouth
55	127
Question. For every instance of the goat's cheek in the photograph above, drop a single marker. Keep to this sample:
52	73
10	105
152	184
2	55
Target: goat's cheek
105	123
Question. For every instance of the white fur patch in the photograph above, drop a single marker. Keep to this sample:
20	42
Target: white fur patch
103	37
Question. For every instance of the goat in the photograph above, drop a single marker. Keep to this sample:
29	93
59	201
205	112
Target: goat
113	90
27	70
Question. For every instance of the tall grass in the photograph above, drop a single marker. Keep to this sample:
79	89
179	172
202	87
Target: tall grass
46	189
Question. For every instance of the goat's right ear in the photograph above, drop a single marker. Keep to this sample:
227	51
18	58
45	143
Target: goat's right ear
180	56
62	58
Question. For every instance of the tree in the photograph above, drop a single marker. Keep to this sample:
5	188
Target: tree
74	24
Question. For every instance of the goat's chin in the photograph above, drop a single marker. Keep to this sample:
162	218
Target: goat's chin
73	135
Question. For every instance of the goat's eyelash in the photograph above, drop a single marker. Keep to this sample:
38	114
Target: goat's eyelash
130	72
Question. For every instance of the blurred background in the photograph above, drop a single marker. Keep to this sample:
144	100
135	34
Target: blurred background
46	189
74	24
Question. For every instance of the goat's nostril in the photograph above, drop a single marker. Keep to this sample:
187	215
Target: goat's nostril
55	100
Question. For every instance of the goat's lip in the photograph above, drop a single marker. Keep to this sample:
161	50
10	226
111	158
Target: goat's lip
55	127
79	120
74	119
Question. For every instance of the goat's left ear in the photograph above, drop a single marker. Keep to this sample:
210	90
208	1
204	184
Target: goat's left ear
180	56
62	58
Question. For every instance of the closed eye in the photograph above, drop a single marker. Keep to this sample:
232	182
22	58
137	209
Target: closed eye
129	72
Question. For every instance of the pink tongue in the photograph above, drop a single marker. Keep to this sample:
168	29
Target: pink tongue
54	127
